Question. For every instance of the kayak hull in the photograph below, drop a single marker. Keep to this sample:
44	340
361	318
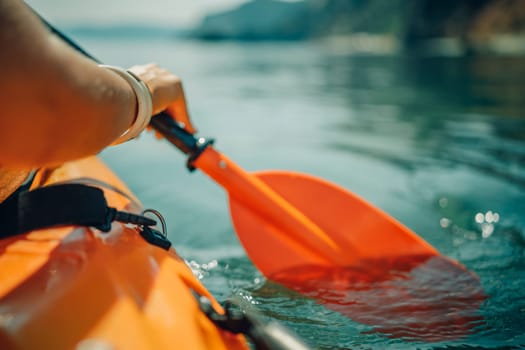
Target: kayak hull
76	287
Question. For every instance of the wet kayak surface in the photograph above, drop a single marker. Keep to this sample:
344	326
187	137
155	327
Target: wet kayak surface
437	142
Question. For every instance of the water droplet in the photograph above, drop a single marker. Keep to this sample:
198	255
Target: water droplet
487	230
489	217
480	218
444	222
211	265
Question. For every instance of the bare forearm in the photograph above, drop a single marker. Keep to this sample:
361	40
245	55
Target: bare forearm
57	105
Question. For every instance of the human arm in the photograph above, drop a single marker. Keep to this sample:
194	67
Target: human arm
57	105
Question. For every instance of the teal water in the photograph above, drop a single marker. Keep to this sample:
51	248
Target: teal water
437	142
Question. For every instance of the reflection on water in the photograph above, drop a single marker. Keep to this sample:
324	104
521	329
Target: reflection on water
417	298
438	113
433	141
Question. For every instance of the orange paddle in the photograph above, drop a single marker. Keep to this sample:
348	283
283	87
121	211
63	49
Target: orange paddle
298	218
312	236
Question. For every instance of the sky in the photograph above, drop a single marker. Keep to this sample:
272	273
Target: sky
179	13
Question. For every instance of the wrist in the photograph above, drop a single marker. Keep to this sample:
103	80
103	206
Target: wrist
144	104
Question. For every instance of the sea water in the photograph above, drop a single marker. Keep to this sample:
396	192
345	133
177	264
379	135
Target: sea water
437	142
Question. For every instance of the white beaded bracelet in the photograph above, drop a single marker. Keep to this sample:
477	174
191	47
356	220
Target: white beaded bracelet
144	104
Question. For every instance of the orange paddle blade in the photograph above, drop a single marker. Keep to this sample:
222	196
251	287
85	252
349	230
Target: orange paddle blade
361	230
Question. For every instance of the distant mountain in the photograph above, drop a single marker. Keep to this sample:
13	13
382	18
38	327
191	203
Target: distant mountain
471	25
258	20
279	20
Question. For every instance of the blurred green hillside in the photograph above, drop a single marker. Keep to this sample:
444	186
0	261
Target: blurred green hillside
466	26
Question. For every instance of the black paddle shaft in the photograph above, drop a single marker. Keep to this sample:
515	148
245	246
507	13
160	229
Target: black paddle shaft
179	137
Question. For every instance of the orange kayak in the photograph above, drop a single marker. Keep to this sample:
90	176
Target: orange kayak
79	288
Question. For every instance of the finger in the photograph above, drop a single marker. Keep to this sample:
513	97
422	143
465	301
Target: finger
179	111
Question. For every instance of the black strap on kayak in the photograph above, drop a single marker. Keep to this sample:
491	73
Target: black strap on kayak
67	204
